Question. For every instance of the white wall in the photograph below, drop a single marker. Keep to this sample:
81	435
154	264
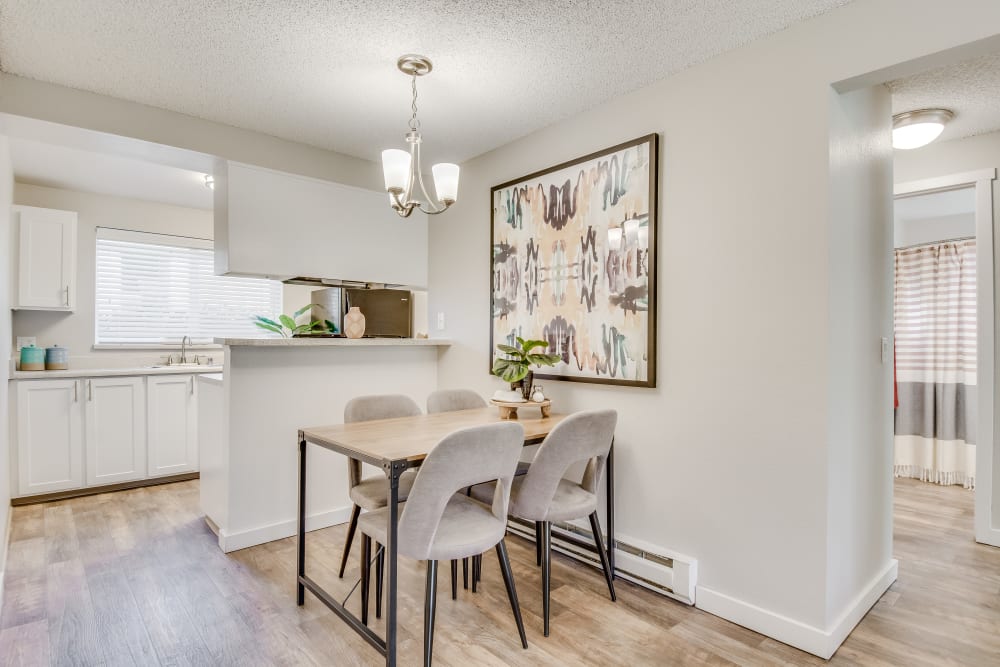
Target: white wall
859	421
76	330
908	233
6	199
730	459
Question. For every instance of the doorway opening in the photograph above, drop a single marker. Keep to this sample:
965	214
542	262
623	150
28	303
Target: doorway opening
943	314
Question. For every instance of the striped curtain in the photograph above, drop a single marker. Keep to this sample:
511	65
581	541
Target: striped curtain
935	311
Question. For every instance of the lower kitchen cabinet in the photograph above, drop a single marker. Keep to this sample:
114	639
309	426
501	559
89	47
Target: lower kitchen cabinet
115	430
88	432
172	414
49	436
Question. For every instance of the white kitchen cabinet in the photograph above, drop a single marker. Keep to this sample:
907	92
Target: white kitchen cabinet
49	436
279	225
115	429
172	416
46	260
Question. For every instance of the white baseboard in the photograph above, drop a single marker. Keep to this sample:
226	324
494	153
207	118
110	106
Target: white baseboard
276	531
819	642
988	536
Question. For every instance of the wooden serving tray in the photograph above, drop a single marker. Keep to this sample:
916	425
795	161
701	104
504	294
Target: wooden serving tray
508	409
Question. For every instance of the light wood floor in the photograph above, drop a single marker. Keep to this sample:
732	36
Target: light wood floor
135	577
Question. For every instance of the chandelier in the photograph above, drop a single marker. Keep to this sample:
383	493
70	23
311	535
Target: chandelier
402	169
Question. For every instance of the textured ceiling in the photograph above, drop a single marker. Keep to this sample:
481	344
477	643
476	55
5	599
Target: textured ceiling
322	72
971	89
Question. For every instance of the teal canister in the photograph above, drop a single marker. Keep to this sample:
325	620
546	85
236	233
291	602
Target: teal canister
56	358
32	358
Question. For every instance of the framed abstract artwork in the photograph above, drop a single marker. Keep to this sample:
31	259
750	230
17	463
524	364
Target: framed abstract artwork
573	262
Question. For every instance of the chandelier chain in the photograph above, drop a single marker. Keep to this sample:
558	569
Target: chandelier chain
414	123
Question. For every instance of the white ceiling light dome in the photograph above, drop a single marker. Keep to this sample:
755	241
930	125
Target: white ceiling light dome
914	129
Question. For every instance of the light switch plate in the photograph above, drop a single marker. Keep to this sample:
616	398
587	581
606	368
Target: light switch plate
440	321
25	341
886	352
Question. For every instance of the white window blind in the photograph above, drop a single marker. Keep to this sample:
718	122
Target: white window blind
157	288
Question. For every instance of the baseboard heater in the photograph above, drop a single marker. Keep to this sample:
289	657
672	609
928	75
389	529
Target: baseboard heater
651	567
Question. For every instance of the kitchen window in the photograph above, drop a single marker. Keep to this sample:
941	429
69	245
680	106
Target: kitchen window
154	289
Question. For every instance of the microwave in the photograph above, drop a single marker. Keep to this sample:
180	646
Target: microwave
388	312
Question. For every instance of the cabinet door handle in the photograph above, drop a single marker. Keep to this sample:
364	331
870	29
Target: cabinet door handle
90	390
76	389
192	385
66	291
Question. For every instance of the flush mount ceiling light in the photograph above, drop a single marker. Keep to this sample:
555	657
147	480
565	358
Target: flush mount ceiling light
209	181
914	129
402	169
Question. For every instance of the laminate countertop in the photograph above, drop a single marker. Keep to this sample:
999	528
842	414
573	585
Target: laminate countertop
333	342
112	372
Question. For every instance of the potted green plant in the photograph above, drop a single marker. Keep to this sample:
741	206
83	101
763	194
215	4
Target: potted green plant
515	367
288	327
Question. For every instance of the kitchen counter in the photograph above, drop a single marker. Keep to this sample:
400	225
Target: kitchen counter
333	342
112	372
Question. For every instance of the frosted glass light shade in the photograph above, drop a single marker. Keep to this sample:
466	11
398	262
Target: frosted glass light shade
916	135
446	181
913	129
396	168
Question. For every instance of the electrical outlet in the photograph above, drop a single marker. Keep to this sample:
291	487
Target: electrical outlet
440	321
25	341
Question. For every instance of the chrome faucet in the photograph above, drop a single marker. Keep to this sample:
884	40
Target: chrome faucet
184	343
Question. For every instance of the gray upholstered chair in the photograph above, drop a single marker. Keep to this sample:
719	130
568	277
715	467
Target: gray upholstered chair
544	495
372	493
438	523
449	400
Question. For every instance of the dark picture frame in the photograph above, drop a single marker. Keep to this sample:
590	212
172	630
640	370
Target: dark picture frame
559	270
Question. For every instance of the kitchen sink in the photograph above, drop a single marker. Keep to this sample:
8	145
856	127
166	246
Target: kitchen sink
189	364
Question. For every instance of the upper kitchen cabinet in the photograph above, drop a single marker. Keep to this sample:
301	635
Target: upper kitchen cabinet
46	273
278	225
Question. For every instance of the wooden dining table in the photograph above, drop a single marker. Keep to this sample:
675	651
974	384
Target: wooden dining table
395	445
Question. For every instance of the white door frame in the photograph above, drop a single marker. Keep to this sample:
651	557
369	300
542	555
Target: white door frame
987	526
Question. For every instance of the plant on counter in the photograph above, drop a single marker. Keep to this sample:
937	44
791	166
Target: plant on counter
288	327
515	368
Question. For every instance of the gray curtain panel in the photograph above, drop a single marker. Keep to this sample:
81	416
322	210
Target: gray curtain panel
935	313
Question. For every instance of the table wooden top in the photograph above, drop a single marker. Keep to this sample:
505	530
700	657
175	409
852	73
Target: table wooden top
410	439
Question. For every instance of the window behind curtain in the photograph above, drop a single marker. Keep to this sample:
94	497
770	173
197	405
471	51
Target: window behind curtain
157	288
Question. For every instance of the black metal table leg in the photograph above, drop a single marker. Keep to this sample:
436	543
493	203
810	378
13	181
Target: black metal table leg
300	593
395	470
611	507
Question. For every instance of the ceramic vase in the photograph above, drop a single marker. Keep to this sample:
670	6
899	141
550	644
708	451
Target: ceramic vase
525	386
354	323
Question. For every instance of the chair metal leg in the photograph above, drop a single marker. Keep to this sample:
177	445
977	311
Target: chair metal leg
475	575
366	558
546	571
479	567
353	526
595	526
465	573
538	543
508	581
379	574
430	604
454	579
